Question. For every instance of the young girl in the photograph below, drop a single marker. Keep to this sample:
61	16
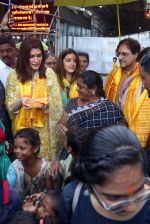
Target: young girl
75	138
28	173
44	206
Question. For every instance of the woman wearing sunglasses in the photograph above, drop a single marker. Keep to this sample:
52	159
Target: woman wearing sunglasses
112	186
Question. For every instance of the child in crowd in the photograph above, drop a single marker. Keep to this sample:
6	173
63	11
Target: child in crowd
28	173
44	206
75	138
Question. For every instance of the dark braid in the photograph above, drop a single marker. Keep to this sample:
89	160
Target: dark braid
105	151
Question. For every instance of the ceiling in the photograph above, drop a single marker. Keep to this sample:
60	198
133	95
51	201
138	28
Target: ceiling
132	18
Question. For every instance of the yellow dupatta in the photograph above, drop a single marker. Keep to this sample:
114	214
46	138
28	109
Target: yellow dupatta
130	101
33	117
136	111
139	120
112	82
73	93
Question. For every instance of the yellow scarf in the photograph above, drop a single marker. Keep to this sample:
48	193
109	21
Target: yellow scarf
112	82
130	102
32	117
140	119
137	112
73	88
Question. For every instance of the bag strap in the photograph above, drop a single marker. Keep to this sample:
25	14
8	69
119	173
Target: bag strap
76	196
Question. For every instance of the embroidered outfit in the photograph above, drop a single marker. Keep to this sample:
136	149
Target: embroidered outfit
25	184
94	115
132	99
40	91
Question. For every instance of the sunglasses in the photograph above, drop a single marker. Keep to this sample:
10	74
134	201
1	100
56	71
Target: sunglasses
119	206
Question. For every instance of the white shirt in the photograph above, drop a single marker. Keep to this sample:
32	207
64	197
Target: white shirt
4	71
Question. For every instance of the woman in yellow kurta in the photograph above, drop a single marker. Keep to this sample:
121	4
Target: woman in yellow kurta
67	70
33	96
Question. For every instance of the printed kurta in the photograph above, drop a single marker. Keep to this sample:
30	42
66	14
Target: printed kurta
23	182
48	136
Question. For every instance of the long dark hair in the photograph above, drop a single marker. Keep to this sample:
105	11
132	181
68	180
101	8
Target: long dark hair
145	51
106	151
145	62
75	138
60	67
23	69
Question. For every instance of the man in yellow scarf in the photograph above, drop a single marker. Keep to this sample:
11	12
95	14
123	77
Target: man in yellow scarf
124	87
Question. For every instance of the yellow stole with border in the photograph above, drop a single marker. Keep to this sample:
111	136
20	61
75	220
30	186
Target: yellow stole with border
136	111
130	101
140	120
34	117
112	82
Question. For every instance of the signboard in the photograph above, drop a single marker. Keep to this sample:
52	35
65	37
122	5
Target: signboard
29	17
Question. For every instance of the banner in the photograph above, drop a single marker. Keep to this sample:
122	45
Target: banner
28	17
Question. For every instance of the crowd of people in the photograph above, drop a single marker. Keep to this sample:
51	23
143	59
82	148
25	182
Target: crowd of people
71	150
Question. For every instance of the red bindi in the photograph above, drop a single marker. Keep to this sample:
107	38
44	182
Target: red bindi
131	190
